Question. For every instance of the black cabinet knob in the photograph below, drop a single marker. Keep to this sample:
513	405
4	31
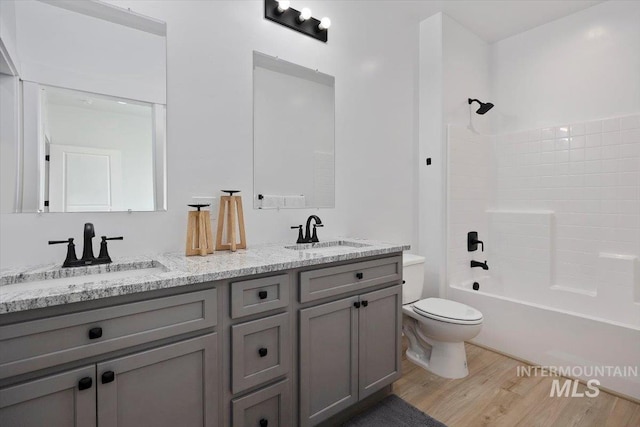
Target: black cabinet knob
263	352
262	294
95	333
359	275
85	383
264	422
108	377
356	304
365	303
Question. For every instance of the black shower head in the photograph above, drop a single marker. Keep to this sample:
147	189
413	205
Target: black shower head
484	107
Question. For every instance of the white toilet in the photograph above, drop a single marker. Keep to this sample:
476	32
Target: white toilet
436	328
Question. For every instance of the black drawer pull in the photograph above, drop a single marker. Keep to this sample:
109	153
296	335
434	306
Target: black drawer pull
108	377
264	422
95	333
365	303
262	294
263	352
359	275
85	383
356	304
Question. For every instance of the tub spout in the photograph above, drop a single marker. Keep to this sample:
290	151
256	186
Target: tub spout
479	264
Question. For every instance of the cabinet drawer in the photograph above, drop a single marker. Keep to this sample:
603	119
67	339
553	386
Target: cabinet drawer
269	407
328	282
260	351
38	344
259	295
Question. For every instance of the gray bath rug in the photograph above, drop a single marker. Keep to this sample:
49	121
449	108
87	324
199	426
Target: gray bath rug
393	412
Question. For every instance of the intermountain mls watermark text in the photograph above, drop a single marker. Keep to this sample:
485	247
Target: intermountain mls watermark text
565	387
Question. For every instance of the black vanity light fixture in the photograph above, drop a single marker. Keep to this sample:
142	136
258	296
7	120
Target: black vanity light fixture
299	20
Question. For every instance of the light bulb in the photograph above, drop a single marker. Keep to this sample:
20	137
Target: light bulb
305	14
283	5
325	23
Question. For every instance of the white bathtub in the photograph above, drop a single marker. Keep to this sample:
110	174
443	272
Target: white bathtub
549	336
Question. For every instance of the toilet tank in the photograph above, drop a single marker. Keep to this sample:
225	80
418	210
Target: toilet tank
413	276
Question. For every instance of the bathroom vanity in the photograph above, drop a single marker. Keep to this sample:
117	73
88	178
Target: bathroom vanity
268	336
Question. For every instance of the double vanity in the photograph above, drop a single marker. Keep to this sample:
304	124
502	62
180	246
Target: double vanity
274	335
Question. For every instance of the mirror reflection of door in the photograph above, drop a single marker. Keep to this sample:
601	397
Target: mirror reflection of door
101	151
84	179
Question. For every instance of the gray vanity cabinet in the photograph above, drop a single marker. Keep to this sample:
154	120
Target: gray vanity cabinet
349	349
174	385
62	400
379	345
328	359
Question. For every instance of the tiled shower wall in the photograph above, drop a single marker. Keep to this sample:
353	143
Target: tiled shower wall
588	174
556	207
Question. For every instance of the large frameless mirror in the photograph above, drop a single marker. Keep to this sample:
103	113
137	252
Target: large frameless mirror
293	135
85	112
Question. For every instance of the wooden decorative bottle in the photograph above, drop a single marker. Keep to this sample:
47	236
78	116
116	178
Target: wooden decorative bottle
231	213
199	235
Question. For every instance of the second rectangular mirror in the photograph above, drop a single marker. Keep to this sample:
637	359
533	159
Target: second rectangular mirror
293	135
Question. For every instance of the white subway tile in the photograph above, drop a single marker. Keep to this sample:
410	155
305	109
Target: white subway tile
535	135
592	166
594	127
547	145
631	136
577	142
610	165
630	122
562	144
577	129
594	140
561	131
546	157
611	138
562	156
611	125
547	133
593	153
630	150
576	167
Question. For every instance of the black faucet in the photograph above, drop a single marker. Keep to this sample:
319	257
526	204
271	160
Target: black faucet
308	237
479	264
318	223
89	234
87	252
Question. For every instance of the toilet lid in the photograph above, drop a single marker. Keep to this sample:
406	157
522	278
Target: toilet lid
447	310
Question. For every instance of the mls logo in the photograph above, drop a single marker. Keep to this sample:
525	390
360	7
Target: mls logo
566	390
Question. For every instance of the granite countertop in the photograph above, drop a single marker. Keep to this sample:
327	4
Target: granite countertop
50	285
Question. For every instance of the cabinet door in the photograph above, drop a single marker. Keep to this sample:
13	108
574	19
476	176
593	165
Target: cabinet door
174	385
379	348
63	400
328	360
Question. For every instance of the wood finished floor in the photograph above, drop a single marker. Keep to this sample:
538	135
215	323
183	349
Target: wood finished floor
493	395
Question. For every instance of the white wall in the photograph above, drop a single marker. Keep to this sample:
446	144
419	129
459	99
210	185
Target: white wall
454	66
582	67
210	46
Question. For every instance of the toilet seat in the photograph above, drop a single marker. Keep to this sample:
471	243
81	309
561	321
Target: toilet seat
448	311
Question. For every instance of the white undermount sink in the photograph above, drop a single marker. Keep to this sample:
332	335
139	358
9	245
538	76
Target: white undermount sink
70	276
326	246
